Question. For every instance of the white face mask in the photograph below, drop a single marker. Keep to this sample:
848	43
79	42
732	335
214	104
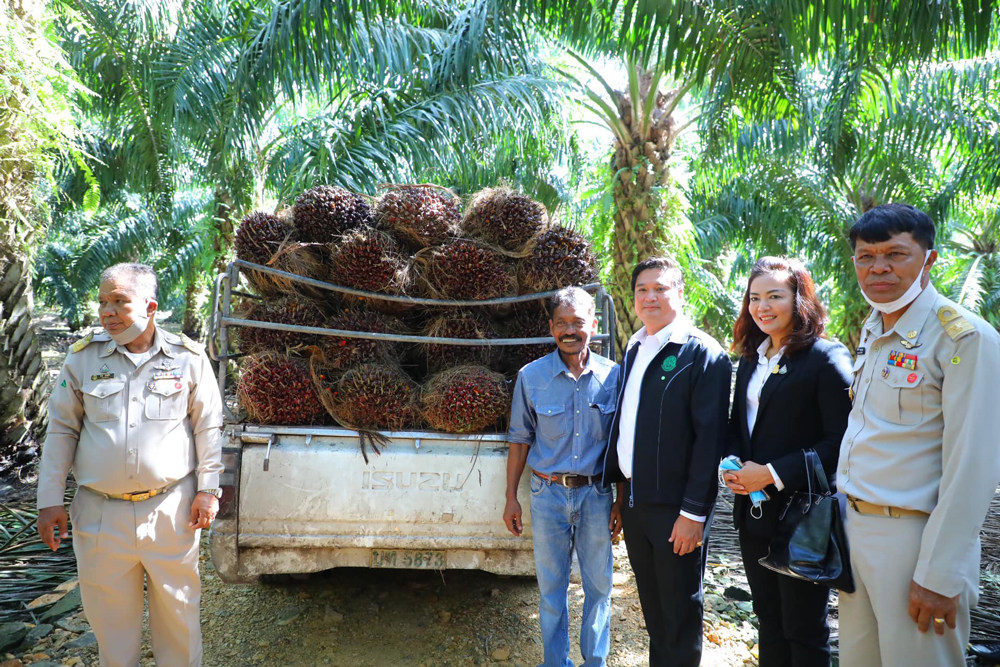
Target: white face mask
906	299
131	332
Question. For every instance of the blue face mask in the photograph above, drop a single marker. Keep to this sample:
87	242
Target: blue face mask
756	497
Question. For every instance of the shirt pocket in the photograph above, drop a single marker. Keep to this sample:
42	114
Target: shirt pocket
899	399
554	422
102	402
600	417
166	400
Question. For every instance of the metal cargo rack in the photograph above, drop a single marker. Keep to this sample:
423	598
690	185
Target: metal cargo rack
227	284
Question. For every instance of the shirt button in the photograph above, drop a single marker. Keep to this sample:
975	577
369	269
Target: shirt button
578	435
134	399
131	451
132	425
877	348
577	412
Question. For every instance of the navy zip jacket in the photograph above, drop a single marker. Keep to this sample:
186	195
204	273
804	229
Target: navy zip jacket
680	431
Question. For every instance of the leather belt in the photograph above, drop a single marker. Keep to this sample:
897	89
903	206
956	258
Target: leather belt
569	480
865	507
135	496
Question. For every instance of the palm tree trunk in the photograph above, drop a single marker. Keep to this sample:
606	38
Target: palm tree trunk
192	318
639	168
24	382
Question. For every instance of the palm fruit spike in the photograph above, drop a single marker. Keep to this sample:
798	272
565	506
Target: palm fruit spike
277	389
260	235
504	218
367	259
325	212
527	323
342	353
420	215
458	324
285	310
374	396
465	270
559	257
466	399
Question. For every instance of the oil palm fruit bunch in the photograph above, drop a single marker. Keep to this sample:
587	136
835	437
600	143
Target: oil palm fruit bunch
367	259
295	310
419	215
464	269
465	399
559	257
375	396
343	353
504	218
527	322
260	235
457	324
278	389
325	212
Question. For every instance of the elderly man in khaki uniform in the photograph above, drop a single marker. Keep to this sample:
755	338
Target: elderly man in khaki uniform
136	414
918	461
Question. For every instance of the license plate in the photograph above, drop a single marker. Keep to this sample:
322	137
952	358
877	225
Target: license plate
406	559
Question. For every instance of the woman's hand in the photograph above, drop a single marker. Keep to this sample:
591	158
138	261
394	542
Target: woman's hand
751	477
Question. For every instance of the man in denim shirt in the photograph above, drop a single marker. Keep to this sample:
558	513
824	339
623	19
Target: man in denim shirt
562	409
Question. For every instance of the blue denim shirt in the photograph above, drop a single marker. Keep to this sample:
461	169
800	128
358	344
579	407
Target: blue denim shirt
563	420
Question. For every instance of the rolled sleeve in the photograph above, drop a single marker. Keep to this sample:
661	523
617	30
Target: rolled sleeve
970	466
523	420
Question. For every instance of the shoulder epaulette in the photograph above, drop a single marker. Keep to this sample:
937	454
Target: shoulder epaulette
954	323
191	345
82	343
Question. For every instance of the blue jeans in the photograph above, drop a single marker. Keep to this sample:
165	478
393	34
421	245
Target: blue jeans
563	519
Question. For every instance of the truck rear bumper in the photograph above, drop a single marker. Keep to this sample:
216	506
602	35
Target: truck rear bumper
244	564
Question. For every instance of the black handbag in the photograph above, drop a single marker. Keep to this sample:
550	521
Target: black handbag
810	543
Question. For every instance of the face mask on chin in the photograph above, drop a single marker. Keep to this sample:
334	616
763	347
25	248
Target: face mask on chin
906	299
132	331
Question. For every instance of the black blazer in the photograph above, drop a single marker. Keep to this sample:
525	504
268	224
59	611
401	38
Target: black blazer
680	432
804	408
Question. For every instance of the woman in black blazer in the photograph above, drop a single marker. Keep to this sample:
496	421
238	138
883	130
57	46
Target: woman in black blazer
791	394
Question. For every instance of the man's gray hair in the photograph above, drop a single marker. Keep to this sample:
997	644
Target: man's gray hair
140	277
572	297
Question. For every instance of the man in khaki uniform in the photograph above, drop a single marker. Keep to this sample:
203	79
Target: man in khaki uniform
918	461
136	414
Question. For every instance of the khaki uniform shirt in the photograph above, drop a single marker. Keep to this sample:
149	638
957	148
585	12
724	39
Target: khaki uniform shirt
124	427
924	429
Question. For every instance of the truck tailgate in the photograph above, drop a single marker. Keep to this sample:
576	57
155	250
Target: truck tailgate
425	491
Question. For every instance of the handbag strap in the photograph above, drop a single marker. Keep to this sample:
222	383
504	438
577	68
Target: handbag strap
815	475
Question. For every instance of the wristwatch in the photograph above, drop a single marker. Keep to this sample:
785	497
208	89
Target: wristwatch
215	492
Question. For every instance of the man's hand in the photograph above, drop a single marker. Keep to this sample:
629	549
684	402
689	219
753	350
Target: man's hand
50	518
686	535
615	524
512	517
751	477
926	605
203	510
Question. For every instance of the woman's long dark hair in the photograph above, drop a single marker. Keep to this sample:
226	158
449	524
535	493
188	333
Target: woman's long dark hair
808	316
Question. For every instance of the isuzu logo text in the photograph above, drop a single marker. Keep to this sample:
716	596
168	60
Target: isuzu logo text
386	480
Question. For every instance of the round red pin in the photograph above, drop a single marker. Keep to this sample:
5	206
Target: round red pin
911	378
177	385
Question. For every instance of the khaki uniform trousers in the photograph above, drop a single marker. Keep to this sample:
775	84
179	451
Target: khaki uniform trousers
875	625
116	543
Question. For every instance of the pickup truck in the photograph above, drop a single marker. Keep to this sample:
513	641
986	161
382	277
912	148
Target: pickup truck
299	499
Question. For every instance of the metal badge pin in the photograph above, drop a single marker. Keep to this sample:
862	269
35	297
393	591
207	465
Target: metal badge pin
911	334
909	345
885	372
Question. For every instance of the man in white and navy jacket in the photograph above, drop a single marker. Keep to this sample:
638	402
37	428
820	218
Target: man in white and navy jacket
665	444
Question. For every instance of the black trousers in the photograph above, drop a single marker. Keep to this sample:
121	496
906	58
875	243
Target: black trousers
669	585
792	612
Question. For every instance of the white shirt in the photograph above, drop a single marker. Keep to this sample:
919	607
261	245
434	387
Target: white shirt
755	386
649	346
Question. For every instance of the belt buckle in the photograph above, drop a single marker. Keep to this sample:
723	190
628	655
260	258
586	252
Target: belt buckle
139	497
568	476
853	502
